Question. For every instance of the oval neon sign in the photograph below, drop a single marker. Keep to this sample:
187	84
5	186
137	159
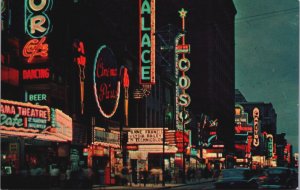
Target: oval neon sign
106	81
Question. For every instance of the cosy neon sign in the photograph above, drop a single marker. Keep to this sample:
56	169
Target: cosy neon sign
147	41
17	114
37	25
106	81
255	127
183	81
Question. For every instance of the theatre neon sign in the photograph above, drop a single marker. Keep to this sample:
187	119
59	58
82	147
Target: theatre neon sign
37	26
18	115
147	41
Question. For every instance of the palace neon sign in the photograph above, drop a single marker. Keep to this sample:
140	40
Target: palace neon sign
147	41
255	127
37	26
106	81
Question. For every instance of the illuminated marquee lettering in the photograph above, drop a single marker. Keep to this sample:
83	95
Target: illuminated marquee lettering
35	48
23	115
106	82
147	41
37	22
255	127
30	74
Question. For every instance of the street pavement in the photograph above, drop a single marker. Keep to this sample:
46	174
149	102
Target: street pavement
188	185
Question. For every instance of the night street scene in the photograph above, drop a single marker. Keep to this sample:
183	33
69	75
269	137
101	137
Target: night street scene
149	94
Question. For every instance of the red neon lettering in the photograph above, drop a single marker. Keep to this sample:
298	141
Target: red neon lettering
35	48
36	74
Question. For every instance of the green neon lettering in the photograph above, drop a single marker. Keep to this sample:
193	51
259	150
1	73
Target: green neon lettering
143	25
9	121
143	56
145	7
146	73
146	40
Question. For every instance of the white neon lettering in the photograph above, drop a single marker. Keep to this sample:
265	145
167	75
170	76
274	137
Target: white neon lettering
36	7
36	24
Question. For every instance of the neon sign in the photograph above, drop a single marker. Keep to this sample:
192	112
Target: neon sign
270	145
37	25
80	60
147	41
23	115
255	127
31	74
106	81
35	48
62	123
37	22
183	81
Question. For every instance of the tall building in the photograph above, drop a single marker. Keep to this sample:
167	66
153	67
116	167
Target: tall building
210	32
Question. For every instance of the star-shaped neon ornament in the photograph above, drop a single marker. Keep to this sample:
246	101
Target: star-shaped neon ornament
182	13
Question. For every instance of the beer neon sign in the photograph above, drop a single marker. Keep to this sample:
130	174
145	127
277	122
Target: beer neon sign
255	127
147	41
106	81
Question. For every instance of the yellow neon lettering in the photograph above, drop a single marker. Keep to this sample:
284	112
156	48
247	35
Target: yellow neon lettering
36	23
36	7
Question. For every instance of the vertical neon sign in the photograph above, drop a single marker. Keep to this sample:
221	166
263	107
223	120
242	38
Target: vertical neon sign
147	41
183	82
255	127
80	60
37	26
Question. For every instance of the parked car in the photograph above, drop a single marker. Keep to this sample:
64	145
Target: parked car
237	178
280	177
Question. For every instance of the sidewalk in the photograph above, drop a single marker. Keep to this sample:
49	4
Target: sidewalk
153	186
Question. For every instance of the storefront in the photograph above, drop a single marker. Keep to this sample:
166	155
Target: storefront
31	138
104	156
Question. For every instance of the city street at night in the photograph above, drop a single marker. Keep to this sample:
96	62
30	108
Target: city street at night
149	94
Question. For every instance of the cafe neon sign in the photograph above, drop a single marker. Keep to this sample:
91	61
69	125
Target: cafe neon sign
37	26
106	81
147	41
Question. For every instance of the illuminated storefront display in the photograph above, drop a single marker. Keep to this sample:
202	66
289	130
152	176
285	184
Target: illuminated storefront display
62	124
255	127
37	26
80	60
183	81
147	41
106	81
19	116
106	139
145	136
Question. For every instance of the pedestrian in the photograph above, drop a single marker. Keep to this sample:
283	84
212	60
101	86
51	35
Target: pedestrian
145	177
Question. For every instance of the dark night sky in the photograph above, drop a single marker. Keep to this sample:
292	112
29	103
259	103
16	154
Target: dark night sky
267	62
